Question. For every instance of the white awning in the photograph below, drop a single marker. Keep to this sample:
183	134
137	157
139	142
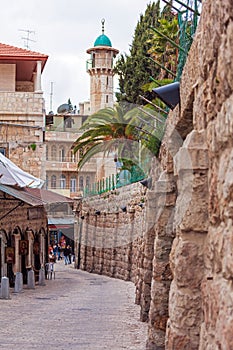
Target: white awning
12	175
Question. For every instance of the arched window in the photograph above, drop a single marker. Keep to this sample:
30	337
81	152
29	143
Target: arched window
53	181
73	184
81	182
88	181
62	181
47	182
62	154
47	152
72	157
53	152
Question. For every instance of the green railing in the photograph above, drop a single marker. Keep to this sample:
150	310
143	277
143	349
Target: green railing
112	182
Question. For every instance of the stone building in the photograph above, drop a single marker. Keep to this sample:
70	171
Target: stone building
22	113
100	69
61	163
23	230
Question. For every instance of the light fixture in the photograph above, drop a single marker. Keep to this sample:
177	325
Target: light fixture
169	94
147	182
97	212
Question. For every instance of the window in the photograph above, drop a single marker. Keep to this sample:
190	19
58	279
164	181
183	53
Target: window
47	152
106	98
68	121
73	184
88	181
53	152
93	60
107	81
3	150
62	154
53	181
62	181
72	157
81	182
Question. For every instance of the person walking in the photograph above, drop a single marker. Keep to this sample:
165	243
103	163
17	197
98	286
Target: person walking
67	253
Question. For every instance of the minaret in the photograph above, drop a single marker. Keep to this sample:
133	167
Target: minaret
100	68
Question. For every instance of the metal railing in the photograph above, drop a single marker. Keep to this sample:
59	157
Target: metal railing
111	183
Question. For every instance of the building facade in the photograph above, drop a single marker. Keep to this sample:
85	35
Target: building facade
62	175
22	113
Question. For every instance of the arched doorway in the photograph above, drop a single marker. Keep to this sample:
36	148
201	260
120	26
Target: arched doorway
36	252
3	245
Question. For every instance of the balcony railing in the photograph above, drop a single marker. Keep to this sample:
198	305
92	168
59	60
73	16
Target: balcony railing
99	63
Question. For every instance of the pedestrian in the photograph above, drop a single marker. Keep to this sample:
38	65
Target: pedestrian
55	250
59	257
67	255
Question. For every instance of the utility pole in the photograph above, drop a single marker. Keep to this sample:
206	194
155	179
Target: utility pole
51	95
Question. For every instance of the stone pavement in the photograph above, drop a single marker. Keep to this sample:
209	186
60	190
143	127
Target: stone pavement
76	311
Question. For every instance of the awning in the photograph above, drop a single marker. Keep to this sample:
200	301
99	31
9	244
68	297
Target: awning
64	225
12	175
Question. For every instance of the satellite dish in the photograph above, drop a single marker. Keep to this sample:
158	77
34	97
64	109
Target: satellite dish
64	108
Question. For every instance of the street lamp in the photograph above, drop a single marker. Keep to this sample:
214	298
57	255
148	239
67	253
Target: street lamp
169	94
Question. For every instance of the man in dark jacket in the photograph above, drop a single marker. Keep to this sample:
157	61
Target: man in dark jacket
67	252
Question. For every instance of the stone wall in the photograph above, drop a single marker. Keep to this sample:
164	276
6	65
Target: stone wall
22	127
110	230
200	132
182	260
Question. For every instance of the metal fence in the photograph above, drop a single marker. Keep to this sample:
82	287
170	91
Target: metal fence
112	182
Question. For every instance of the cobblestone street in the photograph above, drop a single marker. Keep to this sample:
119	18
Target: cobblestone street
77	310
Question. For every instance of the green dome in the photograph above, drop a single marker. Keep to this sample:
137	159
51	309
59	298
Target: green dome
103	40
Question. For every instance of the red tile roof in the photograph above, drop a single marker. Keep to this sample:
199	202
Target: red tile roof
8	51
47	196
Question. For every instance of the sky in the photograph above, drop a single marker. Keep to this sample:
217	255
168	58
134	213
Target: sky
64	30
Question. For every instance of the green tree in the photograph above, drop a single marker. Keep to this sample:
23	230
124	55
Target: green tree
129	133
135	69
162	50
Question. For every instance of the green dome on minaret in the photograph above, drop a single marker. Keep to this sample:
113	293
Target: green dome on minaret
103	40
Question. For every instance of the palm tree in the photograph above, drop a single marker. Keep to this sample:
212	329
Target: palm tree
116	129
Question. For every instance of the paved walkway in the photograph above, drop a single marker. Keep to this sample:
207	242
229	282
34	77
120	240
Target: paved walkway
76	311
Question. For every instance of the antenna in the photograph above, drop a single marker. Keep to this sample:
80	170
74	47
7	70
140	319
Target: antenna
27	39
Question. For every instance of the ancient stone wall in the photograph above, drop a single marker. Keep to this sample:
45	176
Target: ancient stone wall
110	232
199	139
183	258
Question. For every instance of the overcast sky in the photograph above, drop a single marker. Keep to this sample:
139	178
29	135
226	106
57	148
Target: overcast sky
64	30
